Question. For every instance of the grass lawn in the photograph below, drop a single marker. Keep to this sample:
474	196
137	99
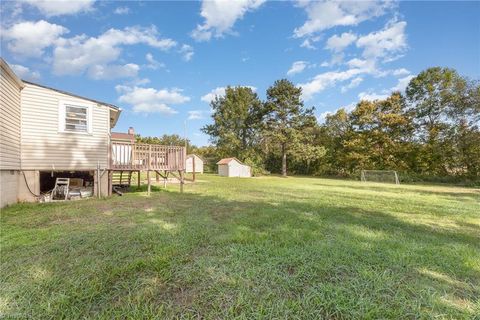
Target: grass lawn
269	247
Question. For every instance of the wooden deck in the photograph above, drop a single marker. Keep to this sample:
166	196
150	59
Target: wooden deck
150	157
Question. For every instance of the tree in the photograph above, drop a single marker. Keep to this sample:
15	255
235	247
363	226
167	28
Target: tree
166	140
435	95
286	119
382	132
334	132
237	120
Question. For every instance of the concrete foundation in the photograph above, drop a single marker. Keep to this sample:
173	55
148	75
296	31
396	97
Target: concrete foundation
8	187
31	182
15	187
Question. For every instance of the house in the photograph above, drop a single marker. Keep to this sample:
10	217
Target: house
232	167
194	161
48	133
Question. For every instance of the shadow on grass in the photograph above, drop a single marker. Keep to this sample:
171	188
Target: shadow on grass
470	194
175	254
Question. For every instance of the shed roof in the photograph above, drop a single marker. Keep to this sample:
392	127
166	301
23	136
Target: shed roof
228	160
195	155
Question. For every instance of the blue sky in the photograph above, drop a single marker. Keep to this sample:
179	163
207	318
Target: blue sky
162	62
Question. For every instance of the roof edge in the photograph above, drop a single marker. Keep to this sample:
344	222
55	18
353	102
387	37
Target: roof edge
11	73
73	95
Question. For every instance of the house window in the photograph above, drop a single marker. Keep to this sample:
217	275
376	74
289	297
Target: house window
75	118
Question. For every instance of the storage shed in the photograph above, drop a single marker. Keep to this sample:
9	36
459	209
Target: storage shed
232	167
191	159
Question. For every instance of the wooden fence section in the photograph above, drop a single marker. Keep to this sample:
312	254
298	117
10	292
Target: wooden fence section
133	156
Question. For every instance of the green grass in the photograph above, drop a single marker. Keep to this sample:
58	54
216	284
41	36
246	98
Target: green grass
296	248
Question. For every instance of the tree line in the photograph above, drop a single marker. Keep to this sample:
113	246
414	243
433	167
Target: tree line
430	131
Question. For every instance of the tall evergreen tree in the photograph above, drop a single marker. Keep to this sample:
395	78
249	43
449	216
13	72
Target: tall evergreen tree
287	120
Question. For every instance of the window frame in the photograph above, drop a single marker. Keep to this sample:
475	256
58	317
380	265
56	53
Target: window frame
62	114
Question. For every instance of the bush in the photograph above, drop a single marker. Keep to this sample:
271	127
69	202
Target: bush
256	167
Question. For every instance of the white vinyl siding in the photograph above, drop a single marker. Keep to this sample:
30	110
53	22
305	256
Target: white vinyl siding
45	147
9	122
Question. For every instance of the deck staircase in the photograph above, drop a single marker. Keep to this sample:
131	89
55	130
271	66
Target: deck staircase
122	178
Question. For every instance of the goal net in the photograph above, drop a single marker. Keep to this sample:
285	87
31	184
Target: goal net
387	176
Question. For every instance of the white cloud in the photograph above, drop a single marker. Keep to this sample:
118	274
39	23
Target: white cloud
353	84
402	83
337	58
371	96
61	7
81	53
25	72
138	82
187	52
30	39
326	80
338	43
323	116
400	86
308	43
122	10
197	114
99	72
220	92
376	46
150	100
152	63
400	72
323	15
384	43
220	17
297	67
209	97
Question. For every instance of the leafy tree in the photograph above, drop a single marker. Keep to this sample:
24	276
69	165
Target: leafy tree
286	120
383	131
435	95
237	123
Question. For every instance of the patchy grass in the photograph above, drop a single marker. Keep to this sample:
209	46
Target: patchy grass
247	248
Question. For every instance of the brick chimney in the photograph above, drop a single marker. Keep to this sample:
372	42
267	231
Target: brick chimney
131	131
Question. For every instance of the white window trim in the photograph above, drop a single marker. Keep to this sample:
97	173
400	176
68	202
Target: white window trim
62	114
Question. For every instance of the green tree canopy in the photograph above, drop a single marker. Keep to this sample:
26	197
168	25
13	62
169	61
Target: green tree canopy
287	120
237	120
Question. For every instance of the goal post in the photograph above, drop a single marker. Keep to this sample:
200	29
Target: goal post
387	176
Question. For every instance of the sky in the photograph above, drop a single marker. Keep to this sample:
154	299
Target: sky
163	62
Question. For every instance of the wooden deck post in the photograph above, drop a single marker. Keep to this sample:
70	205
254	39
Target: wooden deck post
110	182
138	178
148	183
98	179
182	180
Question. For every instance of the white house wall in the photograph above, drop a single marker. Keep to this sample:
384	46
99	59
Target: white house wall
45	148
9	122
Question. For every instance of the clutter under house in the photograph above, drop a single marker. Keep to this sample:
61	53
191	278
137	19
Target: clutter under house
66	185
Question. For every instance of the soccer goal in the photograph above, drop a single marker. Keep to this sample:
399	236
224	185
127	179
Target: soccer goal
387	176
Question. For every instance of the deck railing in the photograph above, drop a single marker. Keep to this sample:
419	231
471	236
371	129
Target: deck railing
134	156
